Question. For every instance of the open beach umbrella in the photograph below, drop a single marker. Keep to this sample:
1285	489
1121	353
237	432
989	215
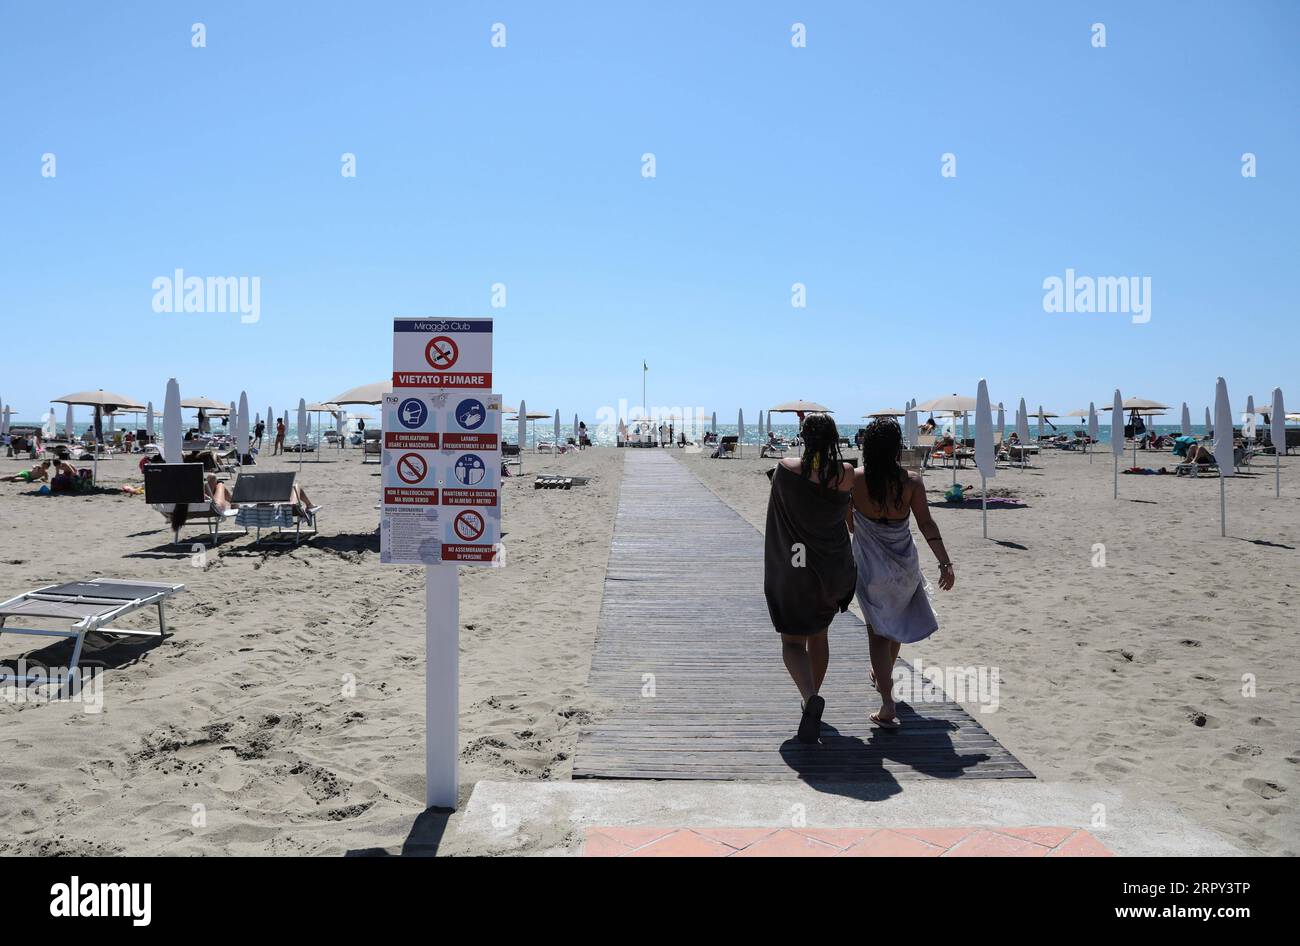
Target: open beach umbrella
1117	435
740	426
800	407
1186	421
365	394
241	431
1277	432
985	458
173	445
103	402
1223	453
1094	429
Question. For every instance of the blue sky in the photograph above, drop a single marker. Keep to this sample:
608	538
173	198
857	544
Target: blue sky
775	165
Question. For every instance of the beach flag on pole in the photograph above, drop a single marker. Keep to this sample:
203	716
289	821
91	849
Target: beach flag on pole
1117	434
171	423
1186	421
1223	455
1277	432
985	458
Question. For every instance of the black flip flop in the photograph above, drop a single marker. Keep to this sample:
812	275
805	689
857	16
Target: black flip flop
810	726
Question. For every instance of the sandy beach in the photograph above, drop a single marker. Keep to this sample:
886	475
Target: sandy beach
288	703
244	710
1131	673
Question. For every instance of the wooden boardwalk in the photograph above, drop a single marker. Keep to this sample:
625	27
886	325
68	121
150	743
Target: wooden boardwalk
689	660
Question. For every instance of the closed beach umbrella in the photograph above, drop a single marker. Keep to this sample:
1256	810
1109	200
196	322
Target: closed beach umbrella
760	423
1022	431
68	424
242	433
740	425
148	419
1117	434
1248	422
1094	429
172	444
1222	428
1223	447
985	458
1186	421
1209	424
557	426
714	425
522	430
1277	423
302	428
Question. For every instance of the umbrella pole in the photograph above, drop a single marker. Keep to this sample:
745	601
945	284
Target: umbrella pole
1277	471
984	503
1223	506
1117	476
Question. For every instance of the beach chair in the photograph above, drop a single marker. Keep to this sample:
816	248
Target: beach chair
265	501
371	446
92	606
166	485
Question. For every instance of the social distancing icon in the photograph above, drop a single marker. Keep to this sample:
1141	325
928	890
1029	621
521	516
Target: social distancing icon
470	469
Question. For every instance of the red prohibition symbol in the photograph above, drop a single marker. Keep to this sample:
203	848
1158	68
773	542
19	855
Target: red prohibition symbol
411	468
468	525
441	352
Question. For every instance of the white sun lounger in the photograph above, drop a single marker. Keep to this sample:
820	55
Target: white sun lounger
92	606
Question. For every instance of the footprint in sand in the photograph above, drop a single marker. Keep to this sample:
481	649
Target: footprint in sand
1265	790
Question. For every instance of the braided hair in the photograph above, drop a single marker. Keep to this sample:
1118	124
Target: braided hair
821	449
885	478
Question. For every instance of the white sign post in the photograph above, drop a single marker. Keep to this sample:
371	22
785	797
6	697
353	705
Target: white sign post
441	478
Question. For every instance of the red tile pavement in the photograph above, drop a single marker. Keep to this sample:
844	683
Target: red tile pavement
1034	841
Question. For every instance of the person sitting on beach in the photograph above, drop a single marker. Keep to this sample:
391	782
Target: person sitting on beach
808	574
38	473
1201	453
64	477
890	588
